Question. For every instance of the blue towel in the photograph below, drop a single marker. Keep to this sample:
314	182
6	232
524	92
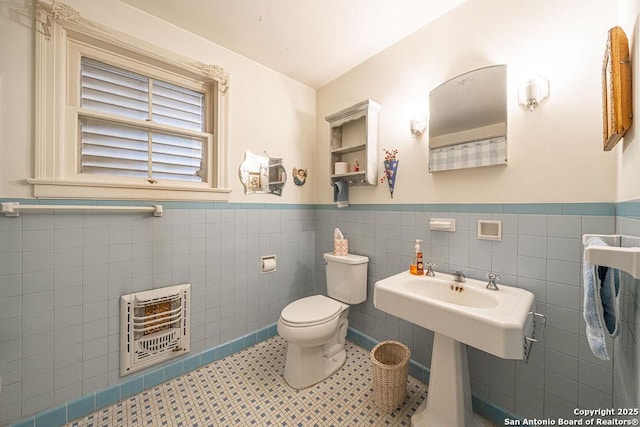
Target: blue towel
601	286
341	194
610	280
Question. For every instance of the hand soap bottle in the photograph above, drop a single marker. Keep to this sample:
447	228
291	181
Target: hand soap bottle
417	265
419	260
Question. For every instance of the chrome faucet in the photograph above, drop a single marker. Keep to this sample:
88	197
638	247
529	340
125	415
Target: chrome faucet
429	269
458	276
492	281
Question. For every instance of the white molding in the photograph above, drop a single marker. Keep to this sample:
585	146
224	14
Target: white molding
56	189
73	22
221	180
50	82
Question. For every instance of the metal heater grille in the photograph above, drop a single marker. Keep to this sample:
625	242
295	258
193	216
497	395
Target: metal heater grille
154	327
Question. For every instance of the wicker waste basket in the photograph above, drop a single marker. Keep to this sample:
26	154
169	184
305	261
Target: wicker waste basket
390	366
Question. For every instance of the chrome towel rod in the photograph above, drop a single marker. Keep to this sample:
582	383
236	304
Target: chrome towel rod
13	209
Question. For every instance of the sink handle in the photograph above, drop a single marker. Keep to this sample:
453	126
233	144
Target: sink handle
492	281
458	275
429	268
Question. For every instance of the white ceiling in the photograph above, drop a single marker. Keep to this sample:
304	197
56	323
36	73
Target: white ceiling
311	41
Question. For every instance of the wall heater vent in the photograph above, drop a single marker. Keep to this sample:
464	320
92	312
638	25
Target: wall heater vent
154	327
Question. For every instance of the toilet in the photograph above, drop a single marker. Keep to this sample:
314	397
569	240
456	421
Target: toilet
315	327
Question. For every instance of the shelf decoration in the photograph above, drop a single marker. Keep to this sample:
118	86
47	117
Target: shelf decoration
354	135
299	176
390	169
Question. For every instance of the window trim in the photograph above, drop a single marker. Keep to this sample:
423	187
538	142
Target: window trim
60	36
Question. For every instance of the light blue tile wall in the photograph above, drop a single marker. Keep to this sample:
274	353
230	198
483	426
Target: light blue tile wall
540	251
626	348
62	274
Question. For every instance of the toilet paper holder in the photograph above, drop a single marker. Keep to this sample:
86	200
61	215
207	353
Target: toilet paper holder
268	264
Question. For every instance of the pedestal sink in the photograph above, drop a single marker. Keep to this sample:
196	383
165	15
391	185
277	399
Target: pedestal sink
459	314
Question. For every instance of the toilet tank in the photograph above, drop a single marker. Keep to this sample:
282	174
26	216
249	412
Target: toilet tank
347	277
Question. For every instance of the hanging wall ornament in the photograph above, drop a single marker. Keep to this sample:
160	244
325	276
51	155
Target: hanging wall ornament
299	176
390	169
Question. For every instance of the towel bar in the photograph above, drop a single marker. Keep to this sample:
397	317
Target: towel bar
12	209
622	253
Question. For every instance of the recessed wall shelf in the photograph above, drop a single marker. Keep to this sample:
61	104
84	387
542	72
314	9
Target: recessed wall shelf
489	230
354	136
622	253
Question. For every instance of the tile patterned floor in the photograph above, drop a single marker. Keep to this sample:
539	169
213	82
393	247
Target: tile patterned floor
247	389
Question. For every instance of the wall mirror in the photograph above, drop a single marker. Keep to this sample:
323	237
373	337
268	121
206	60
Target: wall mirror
262	174
468	120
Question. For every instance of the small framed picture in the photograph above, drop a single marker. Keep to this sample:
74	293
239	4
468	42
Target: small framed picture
254	181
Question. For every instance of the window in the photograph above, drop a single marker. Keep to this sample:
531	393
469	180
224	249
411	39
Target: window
130	120
139	139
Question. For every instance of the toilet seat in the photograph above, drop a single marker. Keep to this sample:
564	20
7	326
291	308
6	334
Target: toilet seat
311	311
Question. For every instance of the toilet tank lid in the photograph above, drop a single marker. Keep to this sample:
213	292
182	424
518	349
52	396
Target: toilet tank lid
346	259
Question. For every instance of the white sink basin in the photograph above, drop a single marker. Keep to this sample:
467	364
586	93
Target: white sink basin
442	290
458	314
492	321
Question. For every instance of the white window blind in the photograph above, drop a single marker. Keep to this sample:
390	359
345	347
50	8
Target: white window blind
143	127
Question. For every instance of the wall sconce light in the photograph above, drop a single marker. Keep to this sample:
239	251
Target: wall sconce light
418	125
533	92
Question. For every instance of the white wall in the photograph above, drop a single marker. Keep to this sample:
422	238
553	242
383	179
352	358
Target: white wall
626	379
628	150
267	111
555	152
16	96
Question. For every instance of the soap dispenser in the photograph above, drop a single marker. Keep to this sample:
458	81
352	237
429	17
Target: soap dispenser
417	263
419	260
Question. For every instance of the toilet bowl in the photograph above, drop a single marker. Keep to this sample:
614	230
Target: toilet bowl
315	327
315	339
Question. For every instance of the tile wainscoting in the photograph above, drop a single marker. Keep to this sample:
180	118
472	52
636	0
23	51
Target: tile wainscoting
541	251
62	274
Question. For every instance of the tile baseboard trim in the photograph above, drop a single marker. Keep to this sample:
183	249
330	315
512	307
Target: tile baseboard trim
481	405
83	406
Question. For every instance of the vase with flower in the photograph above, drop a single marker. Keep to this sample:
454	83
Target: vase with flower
390	168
